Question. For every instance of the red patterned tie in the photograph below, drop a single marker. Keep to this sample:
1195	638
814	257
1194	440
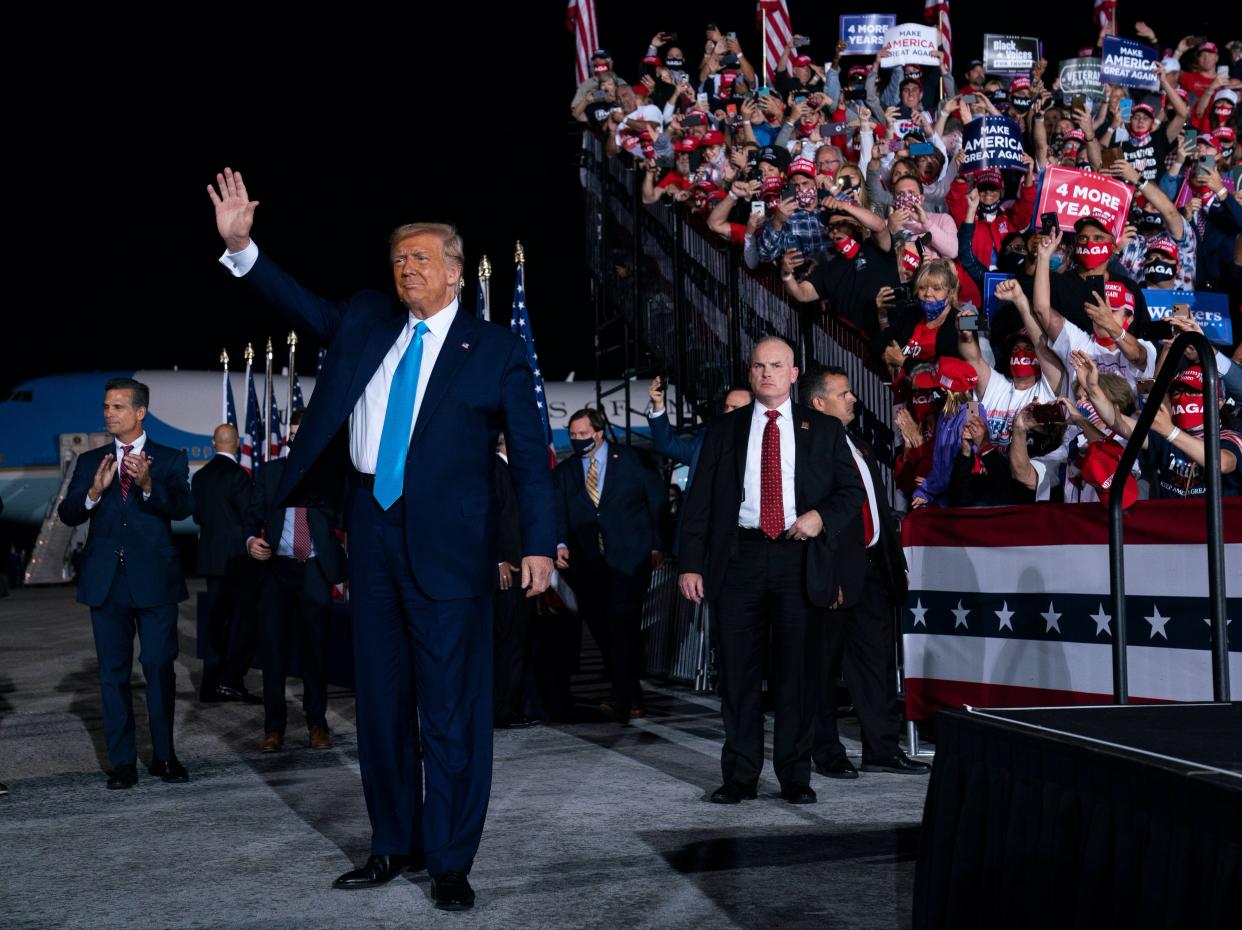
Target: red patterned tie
771	506
868	525
126	478
301	535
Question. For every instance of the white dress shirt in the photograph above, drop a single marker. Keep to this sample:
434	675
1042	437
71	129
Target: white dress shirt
119	451
865	471
748	515
366	422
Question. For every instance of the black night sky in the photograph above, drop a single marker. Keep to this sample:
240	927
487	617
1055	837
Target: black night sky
344	128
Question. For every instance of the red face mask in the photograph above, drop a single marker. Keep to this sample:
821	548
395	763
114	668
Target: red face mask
1093	254
1107	341
909	260
1023	364
1187	410
847	247
922	405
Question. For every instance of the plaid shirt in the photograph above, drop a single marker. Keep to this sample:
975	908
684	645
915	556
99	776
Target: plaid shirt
1187	252
802	231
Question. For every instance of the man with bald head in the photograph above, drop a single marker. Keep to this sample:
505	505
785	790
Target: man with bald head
222	490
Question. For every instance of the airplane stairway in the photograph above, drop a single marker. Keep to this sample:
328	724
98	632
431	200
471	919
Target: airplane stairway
49	563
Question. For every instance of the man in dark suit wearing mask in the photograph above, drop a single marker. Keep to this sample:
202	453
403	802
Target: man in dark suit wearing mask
774	490
859	638
131	490
304	559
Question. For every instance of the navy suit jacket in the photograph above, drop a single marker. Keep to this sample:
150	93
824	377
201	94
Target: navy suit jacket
628	515
481	383
142	529
262	516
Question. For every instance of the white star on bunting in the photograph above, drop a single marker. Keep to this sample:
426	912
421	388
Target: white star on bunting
959	616
1052	619
919	612
1157	623
1102	621
1004	615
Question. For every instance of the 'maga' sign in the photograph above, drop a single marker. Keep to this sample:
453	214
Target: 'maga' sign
910	44
992	142
1128	63
1072	194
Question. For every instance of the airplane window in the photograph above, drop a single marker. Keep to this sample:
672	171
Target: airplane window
20	397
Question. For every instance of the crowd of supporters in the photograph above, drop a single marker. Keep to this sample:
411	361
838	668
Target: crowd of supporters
847	178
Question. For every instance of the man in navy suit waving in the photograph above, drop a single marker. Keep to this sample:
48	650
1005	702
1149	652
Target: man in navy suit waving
407	409
130	491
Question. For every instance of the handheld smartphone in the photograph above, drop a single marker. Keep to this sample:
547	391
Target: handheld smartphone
1124	106
789	191
803	42
1079	102
799	98
904	112
1110	156
764	91
758	208
968	324
1181	311
1208	159
731	35
694	119
1144	386
968	98
731	110
1191	135
1048	222
1048	414
921	148
903	294
972	409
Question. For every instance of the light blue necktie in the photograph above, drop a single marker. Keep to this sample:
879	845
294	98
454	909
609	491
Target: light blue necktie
395	439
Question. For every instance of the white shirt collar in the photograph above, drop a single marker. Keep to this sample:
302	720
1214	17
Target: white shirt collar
438	323
138	444
786	411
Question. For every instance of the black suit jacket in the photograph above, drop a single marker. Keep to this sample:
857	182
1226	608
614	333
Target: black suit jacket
825	480
267	514
851	552
508	523
628	515
222	491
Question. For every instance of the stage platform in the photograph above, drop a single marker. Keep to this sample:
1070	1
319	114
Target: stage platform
590	825
1084	817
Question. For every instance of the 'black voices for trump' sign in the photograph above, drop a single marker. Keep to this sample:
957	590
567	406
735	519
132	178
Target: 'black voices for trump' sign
1009	54
1129	63
992	142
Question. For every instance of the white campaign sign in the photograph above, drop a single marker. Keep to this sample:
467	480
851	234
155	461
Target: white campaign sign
910	44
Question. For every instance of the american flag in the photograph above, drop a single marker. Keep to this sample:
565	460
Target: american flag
483	306
777	33
276	442
1105	12
520	324
936	12
297	405
249	460
230	410
580	18
323	353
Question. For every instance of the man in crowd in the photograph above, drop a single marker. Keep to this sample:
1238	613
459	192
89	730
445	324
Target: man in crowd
222	491
304	559
682	449
608	504
775	488
511	609
131	490
859	639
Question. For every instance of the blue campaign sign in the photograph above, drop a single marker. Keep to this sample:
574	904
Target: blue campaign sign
1128	63
1209	308
863	33
992	142
990	300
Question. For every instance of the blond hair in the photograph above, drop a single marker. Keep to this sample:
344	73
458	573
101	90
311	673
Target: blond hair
450	239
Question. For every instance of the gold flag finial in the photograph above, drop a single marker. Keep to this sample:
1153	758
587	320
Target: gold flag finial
485	268
249	354
269	348
520	258
224	357
292	339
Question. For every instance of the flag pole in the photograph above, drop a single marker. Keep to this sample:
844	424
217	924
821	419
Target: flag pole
249	356
485	285
763	18
267	405
224	388
292	342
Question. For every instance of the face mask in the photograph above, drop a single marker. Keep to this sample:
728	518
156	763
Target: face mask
1107	341
989	209
847	247
907	201
1158	272
1056	261
1021	104
1187	411
1222	114
805	198
674	63
1023	364
933	308
909	260
924	405
582	446
1087	409
1011	263
1139	139
1093	254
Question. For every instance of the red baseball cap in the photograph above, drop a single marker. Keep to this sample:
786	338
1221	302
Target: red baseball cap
801	61
686	144
712	137
640	90
1099	466
1145	108
1207	47
1020	83
1163	244
801	166
989	176
952	374
599	67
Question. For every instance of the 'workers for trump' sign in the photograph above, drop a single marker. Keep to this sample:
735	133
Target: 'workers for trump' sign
1009	54
1081	76
1072	194
992	142
1209	308
1129	63
910	44
863	33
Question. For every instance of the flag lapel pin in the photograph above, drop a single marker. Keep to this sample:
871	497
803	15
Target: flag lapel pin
465	345
804	425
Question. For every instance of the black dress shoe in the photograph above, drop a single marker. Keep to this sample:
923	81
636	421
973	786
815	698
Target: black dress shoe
222	693
841	767
172	772
452	892
123	776
379	870
900	764
799	794
729	793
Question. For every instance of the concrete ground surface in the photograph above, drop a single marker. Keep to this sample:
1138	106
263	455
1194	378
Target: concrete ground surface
590	825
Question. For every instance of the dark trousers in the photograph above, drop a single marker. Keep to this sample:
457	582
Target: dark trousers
610	601
511	612
859	642
296	600
423	677
231	630
114	624
764	595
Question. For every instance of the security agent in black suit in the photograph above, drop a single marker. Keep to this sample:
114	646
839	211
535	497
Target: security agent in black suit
222	491
774	490
861	637
608	504
511	609
304	559
131	490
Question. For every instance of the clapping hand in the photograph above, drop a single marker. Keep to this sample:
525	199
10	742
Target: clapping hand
103	477
138	466
234	209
